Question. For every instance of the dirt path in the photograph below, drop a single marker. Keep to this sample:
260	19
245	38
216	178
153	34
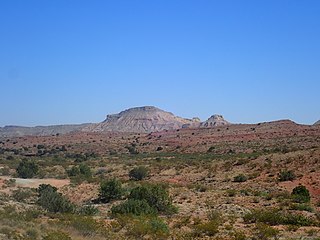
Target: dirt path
34	182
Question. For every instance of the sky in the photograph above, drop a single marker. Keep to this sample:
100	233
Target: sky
76	61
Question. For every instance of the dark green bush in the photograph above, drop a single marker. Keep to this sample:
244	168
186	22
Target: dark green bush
134	207
53	201
286	175
110	190
139	173
156	195
240	178
27	169
300	194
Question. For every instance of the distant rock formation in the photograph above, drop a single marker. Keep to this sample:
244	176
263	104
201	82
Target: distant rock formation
18	131
317	123
135	120
141	120
214	121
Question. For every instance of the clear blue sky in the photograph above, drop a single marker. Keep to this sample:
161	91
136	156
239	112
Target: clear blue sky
66	61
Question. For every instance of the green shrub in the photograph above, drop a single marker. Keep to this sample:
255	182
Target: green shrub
53	201
27	169
134	207
139	173
155	195
240	178
300	194
110	190
286	175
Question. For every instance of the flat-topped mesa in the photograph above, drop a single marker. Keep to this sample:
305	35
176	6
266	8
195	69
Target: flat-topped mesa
140	120
214	121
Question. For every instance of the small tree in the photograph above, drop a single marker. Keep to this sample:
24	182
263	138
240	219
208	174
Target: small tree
110	190
301	194
139	173
27	169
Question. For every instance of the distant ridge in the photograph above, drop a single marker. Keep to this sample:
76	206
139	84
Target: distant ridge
317	123
18	131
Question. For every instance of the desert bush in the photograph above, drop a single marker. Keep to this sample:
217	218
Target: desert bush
301	207
74	171
286	175
21	195
57	235
154	227
85	170
265	232
139	173
240	178
5	171
88	210
134	207
53	201
27	169
86	226
300	194
31	234
231	192
276	217
82	171
156	195
209	228
110	190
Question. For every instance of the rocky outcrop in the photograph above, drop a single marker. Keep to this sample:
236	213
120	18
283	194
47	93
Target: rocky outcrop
317	123
141	120
214	121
